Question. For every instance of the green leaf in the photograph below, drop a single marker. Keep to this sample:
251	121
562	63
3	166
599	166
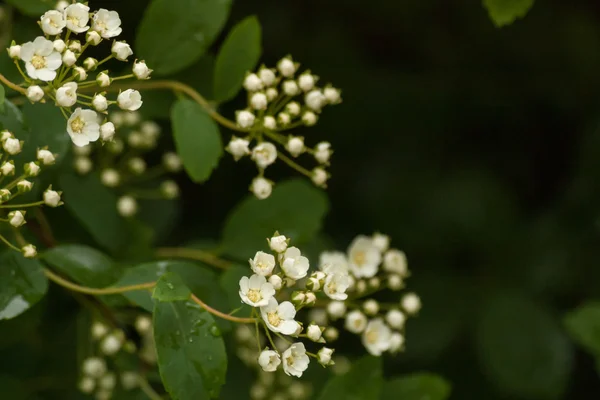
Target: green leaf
191	352
295	208
22	284
170	287
33	8
2	97
421	386
522	349
504	12
364	381
583	325
95	206
197	139
84	264
174	34
230	282
238	55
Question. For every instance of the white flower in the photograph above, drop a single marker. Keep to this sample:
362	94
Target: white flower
287	67
29	251
269	122
94	367
333	261
100	103
141	70
336	285
395	261
315	100
110	177
295	360
306	81
332	95
87	385
121	50
276	281
12	146
283	118
41	61
69	58
381	241
77	17
319	177
356	321
59	45
294	265
280	317
172	162
106	23
396	342
52	22
258	101
324	356
263	263
83	127
252	83
238	147
256	291
45	156
82	165
267	76
295	145
111	344
102	79
261	187
52	198
411	303
395	319
127	206
14	51
66	95
264	154
269	360
291	88
35	93
323	152
130	100
376	337
8	168
143	323
244	118
371	307
16	218
314	333
278	243
309	118
364	257
336	309
93	38
107	131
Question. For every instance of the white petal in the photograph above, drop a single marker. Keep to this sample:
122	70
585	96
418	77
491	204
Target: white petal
27	51
256	281
46	74
80	140
288	327
54	60
286	310
31	71
244	284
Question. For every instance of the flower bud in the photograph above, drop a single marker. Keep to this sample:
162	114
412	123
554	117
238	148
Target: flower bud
94	367
31	169
298	298
82	165
411	303
320	177
8	168
75	46
324	356
52	197
287	67
374	282
252	83
5	195
130	380
121	50
141	70
331	334
315	100
283	118
238	147
172	162
111	344
310	299
323	152
110	177
309	118
258	101
332	95
127	206
267	76
371	307
100	103
98	330
271	93
314	333
59	45
87	385
269	122
306	81
24	186
103	80
16	218
93	38
295	145
14	51
169	189
35	93
291	88
90	63
115	146
395	282
278	243
244	119
336	309
143	324
293	108
108	381
395	319
69	58
261	188
80	74
276	281
29	251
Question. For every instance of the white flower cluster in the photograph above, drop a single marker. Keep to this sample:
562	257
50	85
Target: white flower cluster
372	266
123	163
279	101
57	68
21	183
274	274
96	377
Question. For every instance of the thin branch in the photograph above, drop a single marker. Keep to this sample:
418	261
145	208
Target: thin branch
220	314
96	291
12	85
192	254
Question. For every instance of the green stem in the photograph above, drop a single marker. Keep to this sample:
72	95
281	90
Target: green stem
37	203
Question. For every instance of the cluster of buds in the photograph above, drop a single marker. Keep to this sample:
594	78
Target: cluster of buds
99	373
56	68
121	162
275	276
372	267
280	100
20	184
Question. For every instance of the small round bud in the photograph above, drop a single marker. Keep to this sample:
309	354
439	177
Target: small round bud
129	100
82	165
271	93
16	218
69	58
24	186
261	188
110	345
115	146
252	83
332	95
276	281
238	147
395	319
267	76
324	356
244	118
150	128
394	261
80	74
314	333
131	118
323	152
286	67
331	334
315	100
258	392
295	146
356	321
135	140
94	367
336	309
29	251
141	70
136	165
169	189
374	282
61	5
110	177
371	307
291	88
35	93
320	177
5	195
278	243
127	206
45	157
293	108
381	241
172	162
306	81
31	169
309	118
103	80
264	154
269	122
143	323
14	51
395	282
411	303
66	95
396	342
75	46
59	45
258	101
311	299
121	50
108	381
283	118
130	380
93	38
98	330
100	103
87	385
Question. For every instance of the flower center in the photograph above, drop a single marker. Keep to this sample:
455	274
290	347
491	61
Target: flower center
273	318
372	337
100	26
332	287
38	62
359	258
77	125
254	295
358	323
290	361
